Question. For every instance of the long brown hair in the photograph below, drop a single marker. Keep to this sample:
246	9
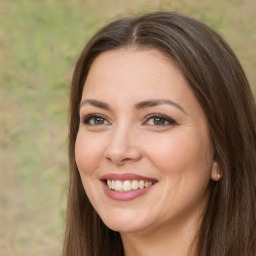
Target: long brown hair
219	84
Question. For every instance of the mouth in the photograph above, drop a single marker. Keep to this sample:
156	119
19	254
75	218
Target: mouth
128	185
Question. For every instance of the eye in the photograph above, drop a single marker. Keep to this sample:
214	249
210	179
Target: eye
94	119
159	120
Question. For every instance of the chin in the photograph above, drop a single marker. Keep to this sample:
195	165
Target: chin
127	228
124	223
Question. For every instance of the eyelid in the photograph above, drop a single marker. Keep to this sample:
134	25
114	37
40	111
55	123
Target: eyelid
170	120
86	118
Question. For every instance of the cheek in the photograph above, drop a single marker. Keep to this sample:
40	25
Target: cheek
188	155
87	153
184	164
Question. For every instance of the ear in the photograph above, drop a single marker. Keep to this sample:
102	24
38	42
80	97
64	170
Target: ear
216	173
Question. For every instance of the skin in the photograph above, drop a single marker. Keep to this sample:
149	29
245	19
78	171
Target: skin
125	139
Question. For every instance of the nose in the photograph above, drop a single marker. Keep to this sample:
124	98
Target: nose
123	146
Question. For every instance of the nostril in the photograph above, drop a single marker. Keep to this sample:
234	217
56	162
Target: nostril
121	150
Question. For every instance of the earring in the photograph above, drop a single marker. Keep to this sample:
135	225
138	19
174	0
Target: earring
216	173
218	177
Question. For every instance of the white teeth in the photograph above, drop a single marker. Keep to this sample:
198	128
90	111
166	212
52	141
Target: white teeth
113	184
141	184
135	184
119	185
128	185
109	183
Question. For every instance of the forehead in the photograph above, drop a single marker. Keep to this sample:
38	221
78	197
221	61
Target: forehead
133	69
131	54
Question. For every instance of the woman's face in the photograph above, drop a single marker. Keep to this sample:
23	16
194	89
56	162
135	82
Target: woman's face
143	147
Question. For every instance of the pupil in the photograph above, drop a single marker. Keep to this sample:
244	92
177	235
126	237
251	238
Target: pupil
159	120
99	120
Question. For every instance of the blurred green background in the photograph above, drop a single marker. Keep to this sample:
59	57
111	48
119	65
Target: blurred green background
40	41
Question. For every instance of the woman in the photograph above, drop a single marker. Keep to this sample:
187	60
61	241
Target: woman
162	143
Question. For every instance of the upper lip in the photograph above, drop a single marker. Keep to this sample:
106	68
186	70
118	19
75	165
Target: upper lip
125	176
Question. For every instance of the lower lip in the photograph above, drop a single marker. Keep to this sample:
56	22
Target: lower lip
125	196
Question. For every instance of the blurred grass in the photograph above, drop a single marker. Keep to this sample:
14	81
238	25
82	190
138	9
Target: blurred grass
39	44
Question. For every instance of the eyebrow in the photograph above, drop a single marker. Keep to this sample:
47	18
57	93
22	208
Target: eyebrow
153	103
140	105
95	103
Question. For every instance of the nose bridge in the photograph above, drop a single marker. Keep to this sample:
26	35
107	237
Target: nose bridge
122	146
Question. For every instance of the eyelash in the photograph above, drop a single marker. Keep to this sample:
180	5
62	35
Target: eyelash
86	120
167	120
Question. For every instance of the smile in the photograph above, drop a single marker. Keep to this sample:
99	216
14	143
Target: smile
128	185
